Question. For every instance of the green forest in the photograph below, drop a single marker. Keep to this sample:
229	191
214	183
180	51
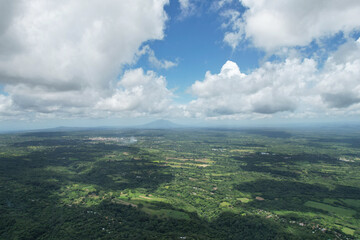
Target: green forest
193	183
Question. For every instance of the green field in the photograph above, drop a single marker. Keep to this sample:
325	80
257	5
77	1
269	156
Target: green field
170	184
331	209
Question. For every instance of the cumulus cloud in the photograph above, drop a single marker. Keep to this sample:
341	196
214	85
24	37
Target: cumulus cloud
138	93
8	42
6	106
340	100
44	100
67	54
275	87
339	84
63	58
295	86
274	24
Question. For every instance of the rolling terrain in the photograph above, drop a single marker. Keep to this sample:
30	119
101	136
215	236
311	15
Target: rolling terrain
180	184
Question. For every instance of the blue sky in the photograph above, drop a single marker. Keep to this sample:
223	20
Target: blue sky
196	43
224	61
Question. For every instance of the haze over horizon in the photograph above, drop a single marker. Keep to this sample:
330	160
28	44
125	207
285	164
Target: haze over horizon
81	63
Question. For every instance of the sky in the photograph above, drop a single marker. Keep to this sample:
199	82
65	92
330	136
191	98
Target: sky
107	62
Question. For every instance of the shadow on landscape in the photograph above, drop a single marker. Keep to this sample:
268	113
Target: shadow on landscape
29	199
30	209
44	134
115	221
130	174
353	142
47	143
291	195
41	173
269	133
288	159
110	175
260	163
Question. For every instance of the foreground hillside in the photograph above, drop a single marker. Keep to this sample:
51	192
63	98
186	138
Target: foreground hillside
180	184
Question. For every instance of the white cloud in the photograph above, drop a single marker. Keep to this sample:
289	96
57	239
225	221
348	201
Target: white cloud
62	59
184	4
45	100
273	24
65	55
6	106
166	64
138	93
295	87
275	87
233	37
154	61
216	5
340	82
187	8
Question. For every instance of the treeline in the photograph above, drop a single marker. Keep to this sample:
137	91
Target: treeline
115	221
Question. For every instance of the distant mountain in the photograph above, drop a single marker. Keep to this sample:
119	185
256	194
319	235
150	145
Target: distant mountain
160	124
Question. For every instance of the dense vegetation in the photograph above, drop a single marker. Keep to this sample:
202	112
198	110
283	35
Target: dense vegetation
180	184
